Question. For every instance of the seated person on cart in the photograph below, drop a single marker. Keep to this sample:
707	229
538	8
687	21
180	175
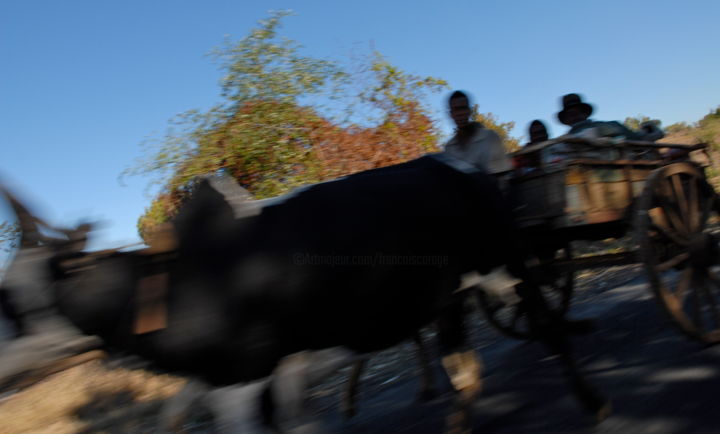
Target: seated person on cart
529	162
576	114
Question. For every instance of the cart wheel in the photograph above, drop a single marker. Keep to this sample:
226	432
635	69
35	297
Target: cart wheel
678	250
508	315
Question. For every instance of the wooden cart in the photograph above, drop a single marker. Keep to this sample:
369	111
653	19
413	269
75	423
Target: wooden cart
626	188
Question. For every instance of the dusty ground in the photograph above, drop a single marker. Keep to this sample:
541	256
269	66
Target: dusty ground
91	397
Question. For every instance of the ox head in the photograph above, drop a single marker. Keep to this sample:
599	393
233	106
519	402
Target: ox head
207	222
26	281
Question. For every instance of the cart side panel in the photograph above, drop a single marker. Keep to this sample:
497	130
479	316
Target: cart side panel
580	193
605	193
539	197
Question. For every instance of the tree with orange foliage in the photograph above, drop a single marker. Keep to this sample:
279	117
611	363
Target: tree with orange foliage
401	130
269	142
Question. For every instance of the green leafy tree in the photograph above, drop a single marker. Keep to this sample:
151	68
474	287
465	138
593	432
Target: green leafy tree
268	136
634	123
259	133
259	125
391	123
708	128
678	127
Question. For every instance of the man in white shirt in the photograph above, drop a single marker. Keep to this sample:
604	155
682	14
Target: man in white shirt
473	142
481	147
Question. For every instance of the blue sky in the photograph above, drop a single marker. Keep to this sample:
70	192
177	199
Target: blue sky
85	82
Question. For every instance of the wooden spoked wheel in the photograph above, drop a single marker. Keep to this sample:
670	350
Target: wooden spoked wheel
674	223
508	314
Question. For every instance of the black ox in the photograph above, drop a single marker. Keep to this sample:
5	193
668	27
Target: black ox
359	263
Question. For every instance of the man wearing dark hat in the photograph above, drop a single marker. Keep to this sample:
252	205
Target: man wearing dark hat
576	114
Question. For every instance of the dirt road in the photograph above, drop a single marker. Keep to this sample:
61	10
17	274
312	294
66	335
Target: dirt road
659	382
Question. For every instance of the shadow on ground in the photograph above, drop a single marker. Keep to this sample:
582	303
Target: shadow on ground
658	380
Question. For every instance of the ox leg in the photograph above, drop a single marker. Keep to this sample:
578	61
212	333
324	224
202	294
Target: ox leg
427	377
10	312
176	410
559	343
553	330
349	403
238	409
28	300
465	372
291	380
597	404
463	366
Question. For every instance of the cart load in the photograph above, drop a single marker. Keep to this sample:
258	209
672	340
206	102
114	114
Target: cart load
666	204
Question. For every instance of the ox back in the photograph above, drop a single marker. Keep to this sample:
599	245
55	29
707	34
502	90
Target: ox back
360	262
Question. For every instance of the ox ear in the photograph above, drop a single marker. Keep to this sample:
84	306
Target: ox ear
161	239
203	216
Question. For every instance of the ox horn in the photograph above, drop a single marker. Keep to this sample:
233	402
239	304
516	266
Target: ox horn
29	230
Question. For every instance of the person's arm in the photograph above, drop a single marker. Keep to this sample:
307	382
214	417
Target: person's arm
498	162
651	132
